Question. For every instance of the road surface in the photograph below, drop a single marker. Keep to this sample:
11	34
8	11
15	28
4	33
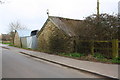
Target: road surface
17	65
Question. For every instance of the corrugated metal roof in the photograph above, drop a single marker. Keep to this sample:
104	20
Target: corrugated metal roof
69	26
24	32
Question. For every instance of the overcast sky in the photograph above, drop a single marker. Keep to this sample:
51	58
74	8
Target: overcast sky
32	13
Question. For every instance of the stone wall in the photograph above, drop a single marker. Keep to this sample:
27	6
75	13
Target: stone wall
17	40
53	40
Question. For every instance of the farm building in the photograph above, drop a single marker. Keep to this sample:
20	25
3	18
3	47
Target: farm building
58	35
5	38
18	35
30	41
26	39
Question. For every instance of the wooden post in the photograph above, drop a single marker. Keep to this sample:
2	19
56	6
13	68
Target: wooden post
92	47
98	11
114	48
21	43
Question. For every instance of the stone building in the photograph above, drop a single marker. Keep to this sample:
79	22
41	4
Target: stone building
5	37
18	34
58	35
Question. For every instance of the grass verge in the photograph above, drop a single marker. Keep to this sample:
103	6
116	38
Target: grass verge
97	57
6	43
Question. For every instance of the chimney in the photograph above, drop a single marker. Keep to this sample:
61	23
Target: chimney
48	13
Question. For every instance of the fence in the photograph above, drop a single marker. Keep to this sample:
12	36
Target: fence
29	42
110	49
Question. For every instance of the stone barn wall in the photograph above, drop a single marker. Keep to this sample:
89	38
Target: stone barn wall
51	39
17	40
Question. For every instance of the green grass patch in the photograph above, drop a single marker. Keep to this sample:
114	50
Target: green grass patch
99	56
7	43
12	45
102	58
19	47
27	48
73	55
115	60
96	57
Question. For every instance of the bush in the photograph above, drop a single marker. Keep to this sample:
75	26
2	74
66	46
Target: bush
116	60
74	55
98	56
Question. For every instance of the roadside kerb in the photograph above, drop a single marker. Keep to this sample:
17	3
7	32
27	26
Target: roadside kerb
107	70
70	66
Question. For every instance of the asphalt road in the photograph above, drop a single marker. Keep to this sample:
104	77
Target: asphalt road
16	65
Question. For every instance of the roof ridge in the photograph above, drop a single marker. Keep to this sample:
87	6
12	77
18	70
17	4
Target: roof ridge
64	18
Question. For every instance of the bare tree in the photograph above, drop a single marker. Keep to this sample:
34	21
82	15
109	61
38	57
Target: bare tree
13	26
1	2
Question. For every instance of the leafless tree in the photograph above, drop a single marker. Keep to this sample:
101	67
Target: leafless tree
13	26
1	2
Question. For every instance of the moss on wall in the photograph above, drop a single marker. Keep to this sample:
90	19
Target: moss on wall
53	40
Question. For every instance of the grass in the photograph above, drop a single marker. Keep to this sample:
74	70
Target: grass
115	60
19	47
12	45
6	43
102	58
96	57
99	56
73	55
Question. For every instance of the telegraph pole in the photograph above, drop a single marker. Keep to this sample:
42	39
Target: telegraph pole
98	10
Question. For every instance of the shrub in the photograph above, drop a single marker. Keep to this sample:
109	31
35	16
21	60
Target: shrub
116	60
98	56
74	55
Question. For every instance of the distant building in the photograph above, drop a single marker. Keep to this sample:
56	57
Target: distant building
18	35
26	39
5	37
